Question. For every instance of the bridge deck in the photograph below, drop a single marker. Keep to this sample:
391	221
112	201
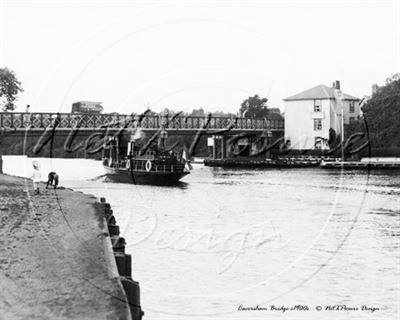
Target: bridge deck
68	121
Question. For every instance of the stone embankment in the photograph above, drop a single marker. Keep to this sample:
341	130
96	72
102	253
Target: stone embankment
123	261
62	257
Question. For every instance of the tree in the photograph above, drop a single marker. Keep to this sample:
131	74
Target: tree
393	77
254	107
9	89
382	114
333	139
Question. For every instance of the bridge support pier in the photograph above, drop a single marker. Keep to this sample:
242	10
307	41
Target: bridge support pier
223	147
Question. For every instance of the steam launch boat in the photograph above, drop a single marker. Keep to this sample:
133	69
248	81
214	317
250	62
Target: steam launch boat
152	165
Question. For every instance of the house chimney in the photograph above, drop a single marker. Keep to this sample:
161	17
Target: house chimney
337	84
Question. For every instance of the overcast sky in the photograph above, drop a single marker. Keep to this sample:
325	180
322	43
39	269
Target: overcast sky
185	55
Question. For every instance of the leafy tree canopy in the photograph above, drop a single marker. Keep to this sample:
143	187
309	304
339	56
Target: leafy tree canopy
9	89
254	107
382	114
393	77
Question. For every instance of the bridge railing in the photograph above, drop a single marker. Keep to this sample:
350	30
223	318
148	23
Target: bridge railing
22	121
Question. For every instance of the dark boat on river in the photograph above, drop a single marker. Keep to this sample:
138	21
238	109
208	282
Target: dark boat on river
153	165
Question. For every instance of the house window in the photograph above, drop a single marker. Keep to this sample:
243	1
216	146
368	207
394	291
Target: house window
317	105
351	107
317	124
352	119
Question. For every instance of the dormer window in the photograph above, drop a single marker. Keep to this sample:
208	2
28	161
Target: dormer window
317	105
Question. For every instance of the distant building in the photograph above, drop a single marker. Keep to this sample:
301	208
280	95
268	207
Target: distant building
87	107
311	114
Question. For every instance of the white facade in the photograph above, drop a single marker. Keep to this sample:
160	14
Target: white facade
308	120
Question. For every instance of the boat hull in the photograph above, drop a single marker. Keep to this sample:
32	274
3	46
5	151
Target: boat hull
355	165
144	177
249	164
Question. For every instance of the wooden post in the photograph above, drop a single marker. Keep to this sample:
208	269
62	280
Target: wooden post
223	147
214	147
117	152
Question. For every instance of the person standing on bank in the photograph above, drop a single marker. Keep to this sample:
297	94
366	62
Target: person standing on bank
36	176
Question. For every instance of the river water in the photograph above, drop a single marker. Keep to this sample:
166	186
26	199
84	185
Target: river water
228	239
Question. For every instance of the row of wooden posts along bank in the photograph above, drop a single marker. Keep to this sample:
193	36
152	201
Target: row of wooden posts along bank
123	262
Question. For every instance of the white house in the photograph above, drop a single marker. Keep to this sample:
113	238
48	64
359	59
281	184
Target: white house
310	114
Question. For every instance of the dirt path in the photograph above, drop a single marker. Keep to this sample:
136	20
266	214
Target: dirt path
52	261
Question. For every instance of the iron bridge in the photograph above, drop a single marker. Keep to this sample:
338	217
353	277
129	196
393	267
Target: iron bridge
12	121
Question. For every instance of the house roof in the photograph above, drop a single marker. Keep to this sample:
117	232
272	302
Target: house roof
81	101
319	92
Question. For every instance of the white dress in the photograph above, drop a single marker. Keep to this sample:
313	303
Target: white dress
36	177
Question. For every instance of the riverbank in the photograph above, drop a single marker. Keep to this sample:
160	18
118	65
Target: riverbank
54	262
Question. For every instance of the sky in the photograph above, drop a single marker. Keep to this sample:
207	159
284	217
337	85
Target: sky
182	55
